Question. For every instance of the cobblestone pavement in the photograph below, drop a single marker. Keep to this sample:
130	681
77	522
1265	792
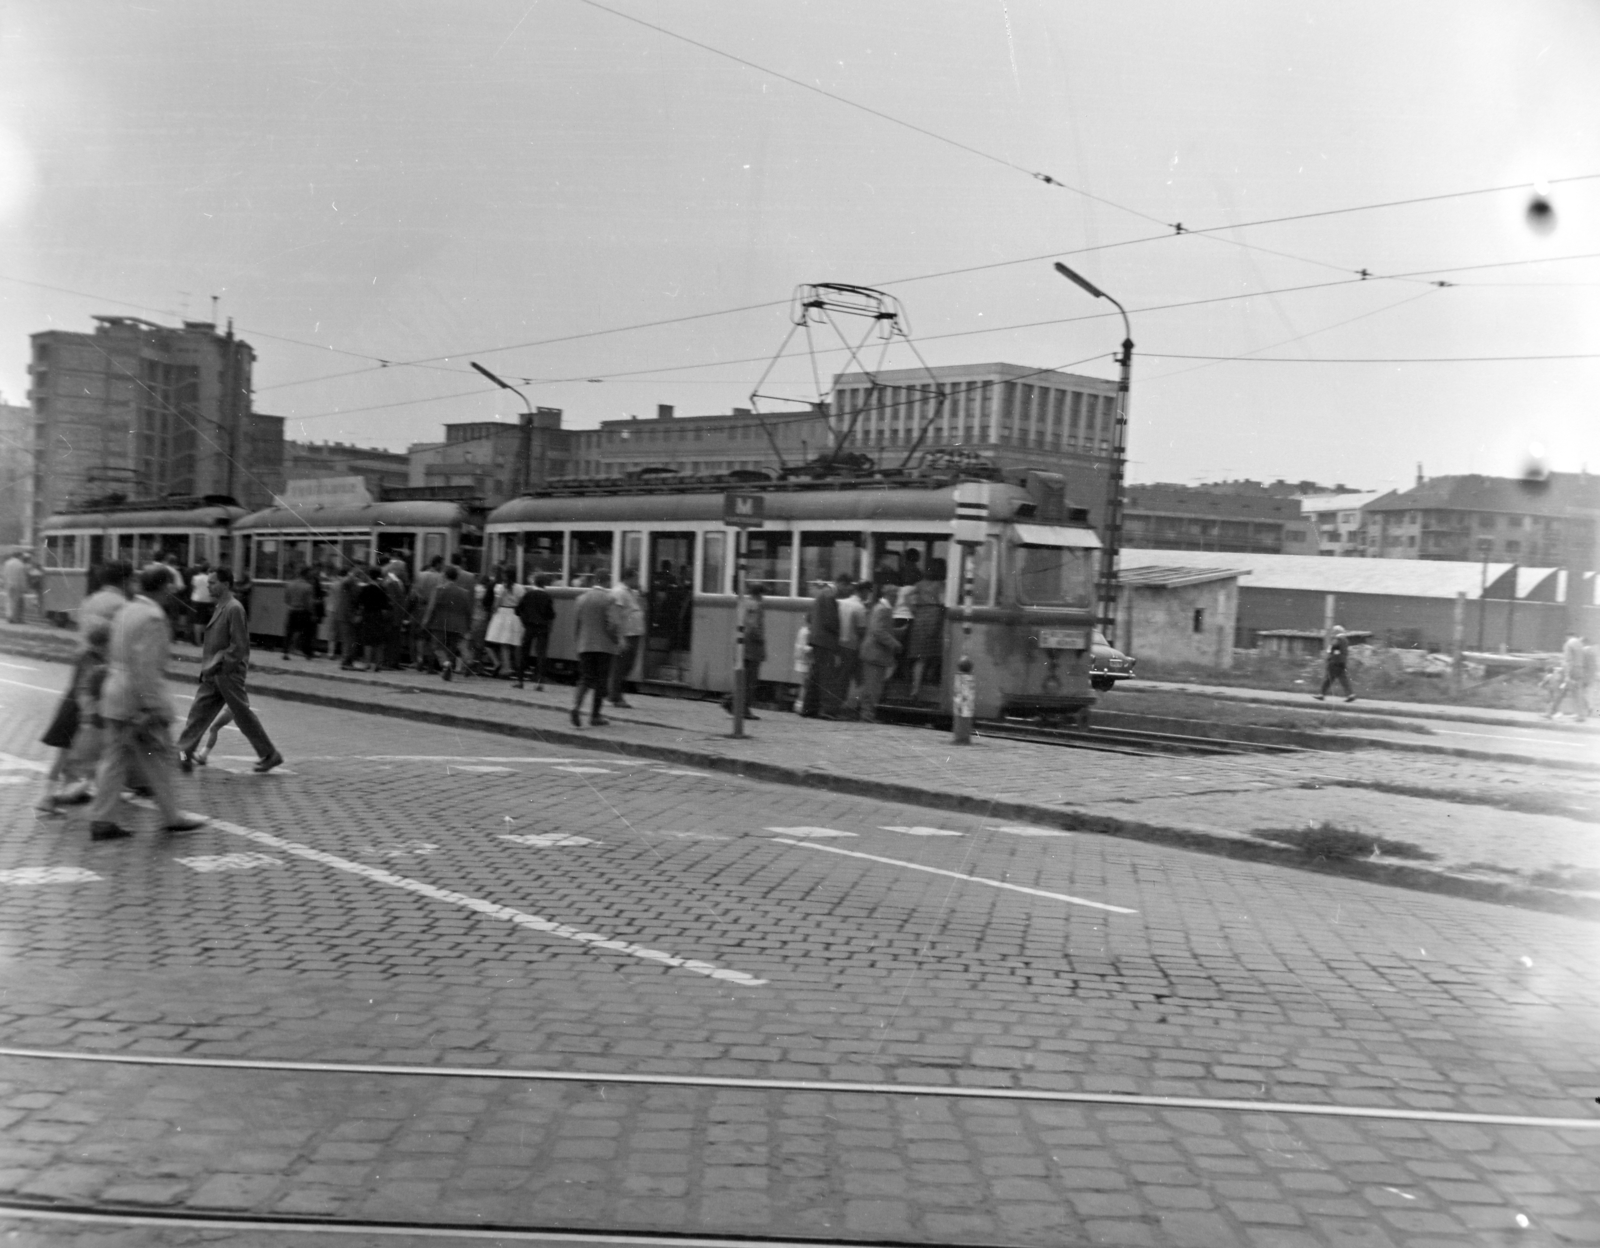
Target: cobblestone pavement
408	894
1484	822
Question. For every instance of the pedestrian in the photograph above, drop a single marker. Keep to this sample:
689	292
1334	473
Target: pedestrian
852	626
537	611
200	597
72	732
446	620
300	600
137	714
345	613
371	618
1336	666
925	639
504	633
482	611
15	576
224	661
801	658
825	693
755	649
396	621
1572	678
243	587
35	585
879	649
428	580
630	614
599	634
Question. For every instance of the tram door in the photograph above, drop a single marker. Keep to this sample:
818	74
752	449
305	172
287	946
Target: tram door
669	607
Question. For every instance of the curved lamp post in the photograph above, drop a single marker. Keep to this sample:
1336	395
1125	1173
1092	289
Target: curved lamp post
527	425
1111	537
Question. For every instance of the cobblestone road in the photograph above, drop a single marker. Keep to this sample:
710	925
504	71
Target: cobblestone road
411	895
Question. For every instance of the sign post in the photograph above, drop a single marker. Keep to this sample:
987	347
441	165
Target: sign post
970	528
741	512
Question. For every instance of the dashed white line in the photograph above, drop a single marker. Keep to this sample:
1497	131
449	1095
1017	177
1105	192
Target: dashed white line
47	875
919	830
806	831
956	875
544	840
562	931
230	862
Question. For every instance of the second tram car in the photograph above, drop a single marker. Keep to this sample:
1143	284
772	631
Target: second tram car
1033	577
136	532
281	542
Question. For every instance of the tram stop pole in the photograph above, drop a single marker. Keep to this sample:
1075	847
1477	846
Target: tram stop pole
740	512
970	528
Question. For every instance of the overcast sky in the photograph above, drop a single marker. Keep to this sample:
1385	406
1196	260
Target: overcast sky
439	182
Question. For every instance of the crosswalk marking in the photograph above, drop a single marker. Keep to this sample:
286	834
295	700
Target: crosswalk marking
918	830
811	832
544	840
46	875
230	862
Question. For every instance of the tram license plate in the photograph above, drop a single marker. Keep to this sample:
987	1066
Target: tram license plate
1063	639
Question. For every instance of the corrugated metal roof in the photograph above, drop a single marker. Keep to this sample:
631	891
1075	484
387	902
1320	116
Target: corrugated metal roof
1161	576
1416	578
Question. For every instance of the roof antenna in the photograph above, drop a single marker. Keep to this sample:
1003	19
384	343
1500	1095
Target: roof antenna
214	300
1420	477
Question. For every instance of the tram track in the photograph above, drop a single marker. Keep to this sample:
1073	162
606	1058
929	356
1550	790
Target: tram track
1135	741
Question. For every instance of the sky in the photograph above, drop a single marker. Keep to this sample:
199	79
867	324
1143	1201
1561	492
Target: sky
617	200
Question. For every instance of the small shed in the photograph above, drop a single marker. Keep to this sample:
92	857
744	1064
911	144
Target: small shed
1300	643
1168	613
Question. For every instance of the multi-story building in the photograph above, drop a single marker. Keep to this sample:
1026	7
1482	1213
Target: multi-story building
1550	522
145	410
16	473
494	460
380	469
695	445
1338	522
1183	517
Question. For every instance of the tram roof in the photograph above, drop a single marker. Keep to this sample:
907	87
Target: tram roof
409	514
936	502
153	519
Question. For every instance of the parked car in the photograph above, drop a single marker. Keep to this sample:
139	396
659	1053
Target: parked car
1107	664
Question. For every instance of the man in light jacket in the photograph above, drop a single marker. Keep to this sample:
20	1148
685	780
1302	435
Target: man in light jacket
630	613
599	636
137	713
224	660
879	649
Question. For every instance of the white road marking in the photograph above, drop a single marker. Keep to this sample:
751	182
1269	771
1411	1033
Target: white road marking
544	840
918	830
586	771
46	875
690	836
562	931
13	779
230	862
676	771
1025	829
485	769
805	831
970	879
406	849
13	762
21	667
22	684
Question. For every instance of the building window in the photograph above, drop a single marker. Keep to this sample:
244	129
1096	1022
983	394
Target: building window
1513	522
1513	548
1199	619
1411	541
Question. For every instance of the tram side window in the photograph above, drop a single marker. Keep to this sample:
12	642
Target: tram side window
268	559
591	553
325	555
61	551
712	559
541	554
296	556
824	556
983	577
769	562
355	550
401	546
433	547
1052	575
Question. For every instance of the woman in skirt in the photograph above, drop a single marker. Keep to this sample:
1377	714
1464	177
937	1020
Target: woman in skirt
925	642
505	627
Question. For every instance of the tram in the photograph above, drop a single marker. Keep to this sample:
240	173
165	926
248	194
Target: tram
279	543
1031	616
138	532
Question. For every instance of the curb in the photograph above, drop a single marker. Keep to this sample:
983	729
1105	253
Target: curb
1395	875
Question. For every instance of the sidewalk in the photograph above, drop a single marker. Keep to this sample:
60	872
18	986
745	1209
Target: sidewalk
1511	832
1363	706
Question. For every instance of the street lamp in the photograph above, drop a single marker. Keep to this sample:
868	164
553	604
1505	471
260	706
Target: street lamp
1112	537
527	424
1485	545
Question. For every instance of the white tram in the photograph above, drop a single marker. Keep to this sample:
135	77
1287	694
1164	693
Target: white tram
136	532
1032	611
281	542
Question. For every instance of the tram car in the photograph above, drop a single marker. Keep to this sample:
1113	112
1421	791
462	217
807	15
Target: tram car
136	531
1033	576
279	543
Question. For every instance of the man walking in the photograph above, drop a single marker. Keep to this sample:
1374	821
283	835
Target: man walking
1573	679
224	660
1337	659
447	619
630	616
599	635
879	649
537	611
137	713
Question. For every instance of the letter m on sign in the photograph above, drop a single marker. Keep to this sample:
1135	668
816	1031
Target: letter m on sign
744	511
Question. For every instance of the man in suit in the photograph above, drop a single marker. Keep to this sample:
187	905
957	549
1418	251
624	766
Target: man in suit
599	630
137	713
825	694
447	619
537	611
224	660
879	648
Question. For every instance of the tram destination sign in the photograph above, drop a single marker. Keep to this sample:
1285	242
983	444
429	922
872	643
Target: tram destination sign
744	511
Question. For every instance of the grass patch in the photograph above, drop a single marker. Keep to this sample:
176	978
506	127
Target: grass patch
1338	843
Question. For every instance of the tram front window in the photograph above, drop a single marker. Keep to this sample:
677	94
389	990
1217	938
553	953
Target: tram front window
1054	576
541	554
591	553
769	562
